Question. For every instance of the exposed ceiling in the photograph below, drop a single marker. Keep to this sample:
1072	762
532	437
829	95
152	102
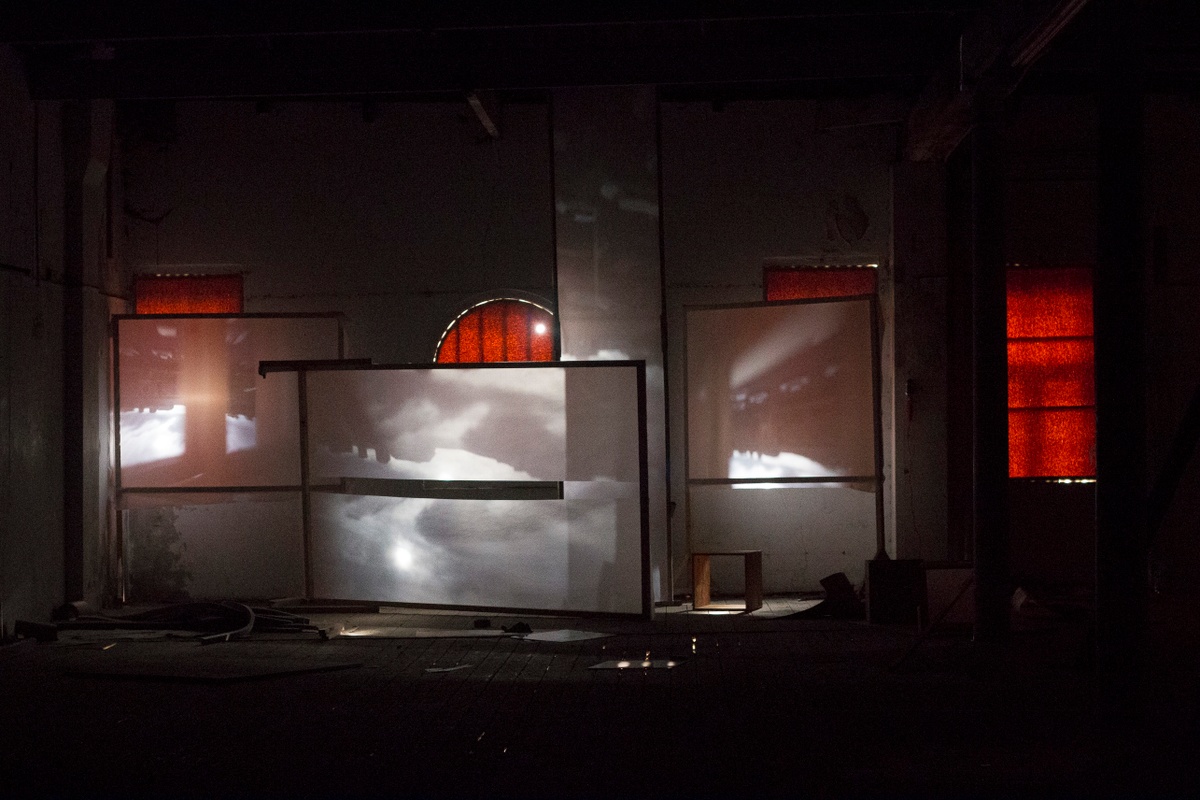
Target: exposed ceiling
939	53
201	48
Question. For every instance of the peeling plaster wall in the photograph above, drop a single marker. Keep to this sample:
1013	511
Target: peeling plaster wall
757	181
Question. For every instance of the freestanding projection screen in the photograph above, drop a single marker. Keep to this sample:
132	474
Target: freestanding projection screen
208	452
782	436
493	486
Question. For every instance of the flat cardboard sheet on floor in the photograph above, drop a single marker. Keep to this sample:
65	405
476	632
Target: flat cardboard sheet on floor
564	635
420	633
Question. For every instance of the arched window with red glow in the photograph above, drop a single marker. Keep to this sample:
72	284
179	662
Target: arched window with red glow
505	329
1051	373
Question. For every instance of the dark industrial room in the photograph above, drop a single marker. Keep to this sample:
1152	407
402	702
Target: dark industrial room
626	399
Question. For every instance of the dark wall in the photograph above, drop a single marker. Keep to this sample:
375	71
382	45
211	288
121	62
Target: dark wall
399	215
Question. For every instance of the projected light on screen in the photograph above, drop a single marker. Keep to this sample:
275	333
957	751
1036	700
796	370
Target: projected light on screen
372	431
472	424
780	391
148	436
784	465
193	409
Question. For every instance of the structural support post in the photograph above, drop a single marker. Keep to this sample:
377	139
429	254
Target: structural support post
76	132
990	363
1120	298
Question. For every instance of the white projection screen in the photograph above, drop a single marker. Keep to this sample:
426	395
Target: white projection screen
208	466
781	437
194	411
499	486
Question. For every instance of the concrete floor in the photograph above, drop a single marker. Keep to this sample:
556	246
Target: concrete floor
756	707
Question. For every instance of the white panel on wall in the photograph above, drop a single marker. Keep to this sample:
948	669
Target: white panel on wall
608	260
806	532
194	410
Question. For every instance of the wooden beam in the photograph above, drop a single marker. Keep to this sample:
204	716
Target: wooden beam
994	53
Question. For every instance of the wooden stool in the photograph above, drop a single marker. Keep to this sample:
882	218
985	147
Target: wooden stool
702	577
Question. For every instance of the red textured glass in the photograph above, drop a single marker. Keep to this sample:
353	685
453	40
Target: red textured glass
499	330
448	353
187	294
1049	301
1052	443
810	283
1051	373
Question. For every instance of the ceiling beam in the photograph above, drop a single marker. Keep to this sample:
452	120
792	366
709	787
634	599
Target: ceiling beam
485	113
994	52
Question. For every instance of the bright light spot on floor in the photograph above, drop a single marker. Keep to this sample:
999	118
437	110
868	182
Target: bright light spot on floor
622	664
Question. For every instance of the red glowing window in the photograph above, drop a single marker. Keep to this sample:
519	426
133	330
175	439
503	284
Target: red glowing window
809	283
1051	373
499	330
187	294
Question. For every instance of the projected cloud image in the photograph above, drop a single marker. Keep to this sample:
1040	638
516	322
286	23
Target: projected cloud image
456	552
582	552
503	424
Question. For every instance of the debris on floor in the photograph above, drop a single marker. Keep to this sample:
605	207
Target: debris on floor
219	621
448	669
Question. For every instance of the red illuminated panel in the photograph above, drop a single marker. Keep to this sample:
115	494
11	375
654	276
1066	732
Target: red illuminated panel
1051	442
1054	372
1049	301
809	283
1051	373
187	294
500	330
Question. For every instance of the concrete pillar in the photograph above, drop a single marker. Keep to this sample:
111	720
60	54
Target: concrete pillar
990	367
609	262
919	407
76	122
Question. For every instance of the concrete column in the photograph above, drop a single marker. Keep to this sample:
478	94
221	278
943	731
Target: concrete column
919	408
608	259
990	367
76	125
1120	297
